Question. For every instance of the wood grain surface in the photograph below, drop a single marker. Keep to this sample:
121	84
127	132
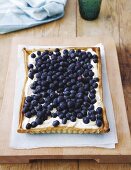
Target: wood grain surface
114	20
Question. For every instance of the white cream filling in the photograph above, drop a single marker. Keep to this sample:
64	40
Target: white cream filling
48	123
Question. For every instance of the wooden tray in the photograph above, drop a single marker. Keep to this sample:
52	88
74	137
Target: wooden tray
122	153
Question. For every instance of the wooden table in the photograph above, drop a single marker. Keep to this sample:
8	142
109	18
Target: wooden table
114	21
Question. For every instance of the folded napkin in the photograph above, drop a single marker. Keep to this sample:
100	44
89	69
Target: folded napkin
20	14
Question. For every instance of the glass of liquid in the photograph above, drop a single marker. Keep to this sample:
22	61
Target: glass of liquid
89	9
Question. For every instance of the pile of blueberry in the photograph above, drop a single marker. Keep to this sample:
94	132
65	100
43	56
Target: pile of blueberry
64	81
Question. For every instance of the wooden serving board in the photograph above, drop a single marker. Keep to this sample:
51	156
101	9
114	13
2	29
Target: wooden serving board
122	152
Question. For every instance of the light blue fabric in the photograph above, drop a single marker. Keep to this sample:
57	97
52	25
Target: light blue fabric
20	14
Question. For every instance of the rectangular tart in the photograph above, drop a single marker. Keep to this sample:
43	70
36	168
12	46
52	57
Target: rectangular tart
62	92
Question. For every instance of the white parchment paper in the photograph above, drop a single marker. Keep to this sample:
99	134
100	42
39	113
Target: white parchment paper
28	141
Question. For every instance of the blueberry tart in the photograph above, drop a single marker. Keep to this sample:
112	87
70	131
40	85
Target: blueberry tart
62	92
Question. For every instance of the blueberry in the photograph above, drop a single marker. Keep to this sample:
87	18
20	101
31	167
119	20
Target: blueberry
60	99
65	111
30	66
93	101
86	99
78	50
63	105
73	92
86	73
96	79
54	115
31	75
93	117
45	94
98	123
73	118
33	124
84	112
65	51
61	77
95	60
73	55
46	51
95	56
39	63
26	104
38	53
25	109
72	96
71	66
28	114
92	95
99	110
95	85
99	116
33	112
91	112
71	104
68	115
38	89
80	72
52	86
34	91
33	86
86	104
66	93
91	107
28	99
60	90
86	120
55	102
83	56
50	107
40	114
41	100
47	100
89	55
34	102
33	55
93	91
73	81
64	120
39	121
79	115
91	73
57	50
91	82
50	52
49	79
78	104
28	126
55	123
79	95
39	108
48	113
38	75
61	116
86	87
68	84
80	84
72	51
87	60
89	66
